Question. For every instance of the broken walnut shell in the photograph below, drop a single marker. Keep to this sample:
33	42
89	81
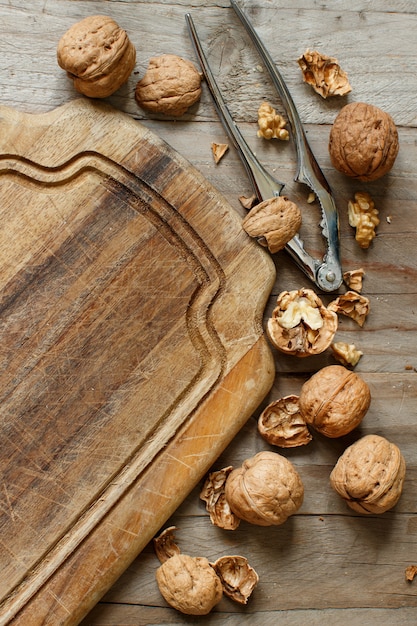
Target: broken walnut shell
265	490
353	305
170	86
324	74
238	578
97	54
369	475
300	324
273	222
334	400
281	423
363	141
213	494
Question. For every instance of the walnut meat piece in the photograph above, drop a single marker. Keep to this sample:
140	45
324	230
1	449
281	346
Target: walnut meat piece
353	305
273	222
238	578
370	475
189	584
170	86
324	74
265	490
354	278
363	215
334	400
271	125
300	324
346	353
97	54
281	423
363	141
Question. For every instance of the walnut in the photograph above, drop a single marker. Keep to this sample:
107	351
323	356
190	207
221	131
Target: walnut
213	494
170	86
300	324
363	215
281	424
265	490
370	475
219	150
97	54
354	278
238	578
346	353
324	74
334	400
273	222
271	125
353	305
363	141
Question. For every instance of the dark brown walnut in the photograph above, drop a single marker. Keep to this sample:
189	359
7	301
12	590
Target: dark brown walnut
300	324
363	141
238	578
97	54
334	400
170	86
265	490
273	222
281	423
369	475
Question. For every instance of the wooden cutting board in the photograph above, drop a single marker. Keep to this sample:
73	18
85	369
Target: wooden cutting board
131	348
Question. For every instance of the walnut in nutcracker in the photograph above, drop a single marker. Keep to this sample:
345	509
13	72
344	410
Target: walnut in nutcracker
334	400
369	475
273	222
363	141
97	54
300	324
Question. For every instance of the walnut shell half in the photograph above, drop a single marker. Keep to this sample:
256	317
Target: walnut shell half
334	400
97	54
370	475
281	423
363	141
265	490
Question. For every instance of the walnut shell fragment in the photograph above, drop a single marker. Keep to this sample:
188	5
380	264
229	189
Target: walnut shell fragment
410	572
218	151
189	584
354	279
370	475
300	324
281	423
346	353
353	305
164	545
271	124
363	141
273	222
238	578
334	400
170	86
213	494
324	74
97	54
363	215
265	490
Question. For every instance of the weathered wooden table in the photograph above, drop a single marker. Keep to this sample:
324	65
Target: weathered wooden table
325	564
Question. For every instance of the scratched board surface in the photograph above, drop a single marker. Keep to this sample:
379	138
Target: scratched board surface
122	324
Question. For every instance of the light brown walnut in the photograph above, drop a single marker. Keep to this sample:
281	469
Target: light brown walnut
369	475
265	490
170	86
363	215
271	124
334	400
363	141
346	353
98	55
273	222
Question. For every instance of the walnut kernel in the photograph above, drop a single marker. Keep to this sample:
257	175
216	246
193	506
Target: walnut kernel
370	475
300	324
170	86
354	278
363	141
265	490
273	222
324	74
334	400
281	424
271	125
363	215
97	54
346	353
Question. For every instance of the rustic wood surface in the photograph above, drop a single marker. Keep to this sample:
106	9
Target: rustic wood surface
326	564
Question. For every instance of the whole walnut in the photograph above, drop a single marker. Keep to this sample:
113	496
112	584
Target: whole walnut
265	490
98	55
363	141
370	475
334	400
189	584
170	86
